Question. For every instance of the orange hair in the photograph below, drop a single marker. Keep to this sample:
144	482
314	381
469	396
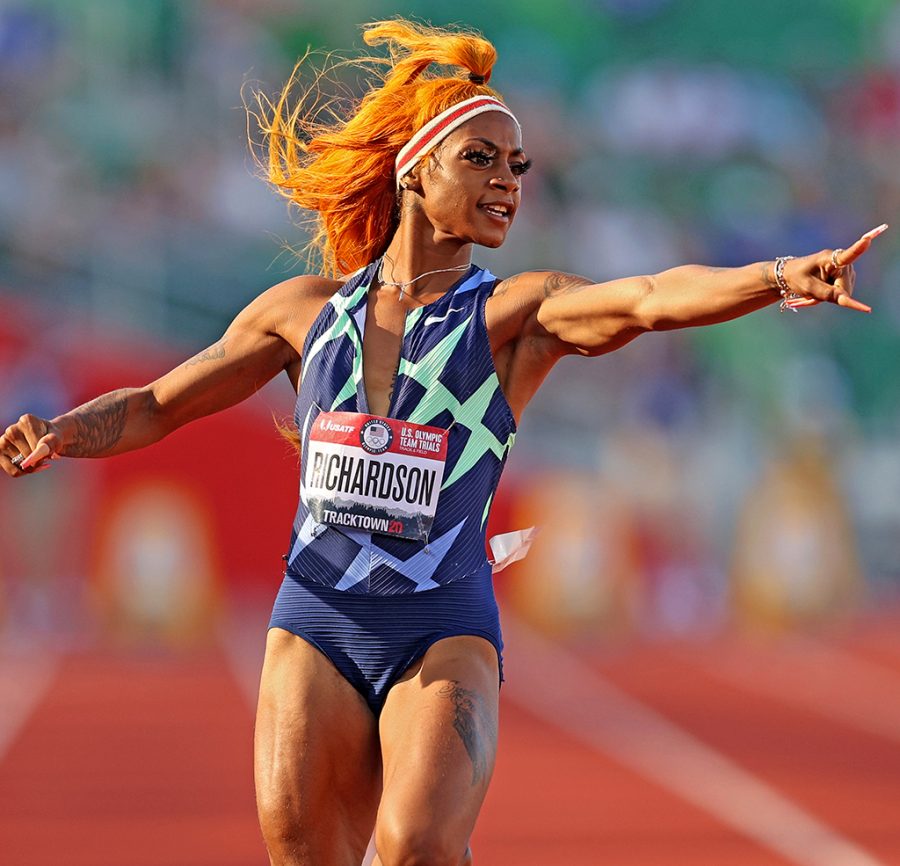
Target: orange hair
343	170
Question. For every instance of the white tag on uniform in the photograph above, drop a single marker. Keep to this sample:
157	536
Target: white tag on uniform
375	474
510	547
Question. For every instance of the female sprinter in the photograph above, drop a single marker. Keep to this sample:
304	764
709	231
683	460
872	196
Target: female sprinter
378	700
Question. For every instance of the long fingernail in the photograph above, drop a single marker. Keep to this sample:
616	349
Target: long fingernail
39	453
876	231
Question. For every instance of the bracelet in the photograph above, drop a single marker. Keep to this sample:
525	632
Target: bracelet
786	292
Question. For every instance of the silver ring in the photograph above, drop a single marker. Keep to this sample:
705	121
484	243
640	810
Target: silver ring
17	460
834	255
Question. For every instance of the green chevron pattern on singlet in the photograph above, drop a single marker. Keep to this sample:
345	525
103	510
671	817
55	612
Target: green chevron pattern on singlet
470	413
426	372
341	326
487	509
412	317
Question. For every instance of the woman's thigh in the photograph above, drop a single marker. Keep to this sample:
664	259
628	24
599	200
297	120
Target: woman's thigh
317	758
439	741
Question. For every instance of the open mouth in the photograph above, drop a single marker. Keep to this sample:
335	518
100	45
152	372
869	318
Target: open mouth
498	211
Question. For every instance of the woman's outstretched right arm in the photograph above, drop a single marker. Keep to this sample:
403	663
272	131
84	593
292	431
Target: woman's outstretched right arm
263	340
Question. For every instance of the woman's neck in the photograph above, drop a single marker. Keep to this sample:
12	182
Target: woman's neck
412	256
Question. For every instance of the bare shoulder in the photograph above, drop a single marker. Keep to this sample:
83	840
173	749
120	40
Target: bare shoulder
512	310
301	294
289	308
524	351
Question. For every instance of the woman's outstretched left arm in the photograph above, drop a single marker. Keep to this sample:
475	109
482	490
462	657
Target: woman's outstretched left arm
591	319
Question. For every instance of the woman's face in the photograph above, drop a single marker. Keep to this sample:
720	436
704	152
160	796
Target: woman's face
470	186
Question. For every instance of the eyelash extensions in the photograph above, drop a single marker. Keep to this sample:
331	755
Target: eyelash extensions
483	159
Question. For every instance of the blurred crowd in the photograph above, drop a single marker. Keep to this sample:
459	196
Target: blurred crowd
754	466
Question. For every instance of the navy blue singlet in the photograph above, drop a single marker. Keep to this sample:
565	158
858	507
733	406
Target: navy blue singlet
446	378
360	597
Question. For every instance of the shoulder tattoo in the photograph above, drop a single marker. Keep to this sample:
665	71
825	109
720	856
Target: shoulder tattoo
505	285
558	283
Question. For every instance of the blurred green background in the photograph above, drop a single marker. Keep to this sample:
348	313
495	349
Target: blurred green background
749	471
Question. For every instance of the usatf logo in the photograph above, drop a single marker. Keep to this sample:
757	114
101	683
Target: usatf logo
376	436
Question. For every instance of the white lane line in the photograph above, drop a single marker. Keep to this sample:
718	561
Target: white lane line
554	684
832	682
24	680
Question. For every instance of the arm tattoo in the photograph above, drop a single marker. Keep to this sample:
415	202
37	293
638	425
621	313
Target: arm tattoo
214	353
475	726
556	283
98	425
767	274
505	285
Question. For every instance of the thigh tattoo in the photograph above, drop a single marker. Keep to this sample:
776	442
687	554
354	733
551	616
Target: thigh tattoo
475	725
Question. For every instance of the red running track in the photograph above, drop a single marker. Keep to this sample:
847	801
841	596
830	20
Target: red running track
140	759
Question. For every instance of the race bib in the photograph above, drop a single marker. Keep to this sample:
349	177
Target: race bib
371	473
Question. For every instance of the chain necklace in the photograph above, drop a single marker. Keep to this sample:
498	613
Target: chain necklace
407	283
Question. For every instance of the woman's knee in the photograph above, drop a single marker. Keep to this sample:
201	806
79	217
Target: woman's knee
283	829
403	843
295	839
305	821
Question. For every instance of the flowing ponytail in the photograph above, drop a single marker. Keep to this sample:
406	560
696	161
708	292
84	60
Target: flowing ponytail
343	169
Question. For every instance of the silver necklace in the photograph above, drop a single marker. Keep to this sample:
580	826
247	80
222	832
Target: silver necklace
407	283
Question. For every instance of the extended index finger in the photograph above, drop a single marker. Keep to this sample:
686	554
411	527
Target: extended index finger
852	253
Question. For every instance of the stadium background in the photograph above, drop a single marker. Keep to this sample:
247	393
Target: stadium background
726	497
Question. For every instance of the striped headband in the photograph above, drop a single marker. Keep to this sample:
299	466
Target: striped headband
441	126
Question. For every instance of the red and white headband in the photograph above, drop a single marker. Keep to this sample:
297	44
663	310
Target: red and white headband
441	126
